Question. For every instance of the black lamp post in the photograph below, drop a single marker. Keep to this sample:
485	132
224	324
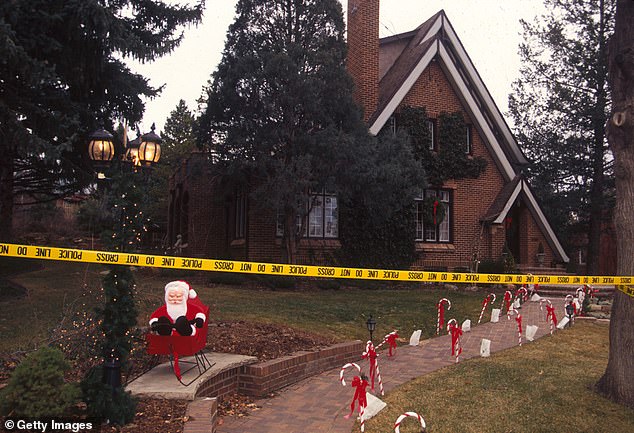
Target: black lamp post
371	325
142	152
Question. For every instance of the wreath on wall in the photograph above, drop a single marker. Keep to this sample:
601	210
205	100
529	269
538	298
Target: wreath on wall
433	211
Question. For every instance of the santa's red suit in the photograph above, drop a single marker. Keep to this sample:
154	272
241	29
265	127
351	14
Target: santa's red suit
174	318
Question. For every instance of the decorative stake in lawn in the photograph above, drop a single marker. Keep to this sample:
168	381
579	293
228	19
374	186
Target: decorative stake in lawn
390	339
550	314
400	419
351	364
524	293
486	302
456	333
359	384
507	301
440	324
518	319
371	355
541	306
581	297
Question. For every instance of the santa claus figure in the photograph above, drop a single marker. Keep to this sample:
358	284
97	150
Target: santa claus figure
182	312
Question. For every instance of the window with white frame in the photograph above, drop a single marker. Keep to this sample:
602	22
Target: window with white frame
431	125
323	218
440	232
468	143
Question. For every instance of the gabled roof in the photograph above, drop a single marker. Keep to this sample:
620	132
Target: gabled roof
436	40
505	199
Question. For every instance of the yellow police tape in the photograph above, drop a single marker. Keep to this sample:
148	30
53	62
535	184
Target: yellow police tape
170	262
626	289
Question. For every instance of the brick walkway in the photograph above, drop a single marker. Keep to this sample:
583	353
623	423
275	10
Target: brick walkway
319	403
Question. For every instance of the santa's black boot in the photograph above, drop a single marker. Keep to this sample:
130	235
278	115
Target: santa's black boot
183	327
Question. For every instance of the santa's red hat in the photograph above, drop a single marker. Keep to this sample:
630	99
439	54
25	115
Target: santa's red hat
183	286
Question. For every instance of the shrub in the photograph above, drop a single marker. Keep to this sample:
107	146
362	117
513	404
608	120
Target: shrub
104	402
37	388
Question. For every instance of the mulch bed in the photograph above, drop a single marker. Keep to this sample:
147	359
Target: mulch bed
264	341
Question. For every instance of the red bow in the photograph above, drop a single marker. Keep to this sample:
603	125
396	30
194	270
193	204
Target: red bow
391	341
551	314
507	300
370	354
456	333
518	319
359	393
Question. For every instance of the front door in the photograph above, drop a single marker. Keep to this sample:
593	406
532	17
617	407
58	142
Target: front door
513	224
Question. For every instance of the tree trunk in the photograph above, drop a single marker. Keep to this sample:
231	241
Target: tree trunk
6	199
617	382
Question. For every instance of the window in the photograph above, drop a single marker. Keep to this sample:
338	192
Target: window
241	214
430	232
392	124
468	145
323	218
431	124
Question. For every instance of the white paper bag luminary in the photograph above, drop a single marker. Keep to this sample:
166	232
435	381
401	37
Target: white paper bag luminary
485	348
563	322
531	330
535	298
375	405
466	326
495	315
415	338
517	304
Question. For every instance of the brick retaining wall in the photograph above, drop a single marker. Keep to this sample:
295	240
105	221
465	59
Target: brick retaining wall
258	380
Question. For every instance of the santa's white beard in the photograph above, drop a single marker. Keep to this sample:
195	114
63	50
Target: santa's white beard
176	310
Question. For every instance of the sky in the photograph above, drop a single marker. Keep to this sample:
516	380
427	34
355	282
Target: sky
489	30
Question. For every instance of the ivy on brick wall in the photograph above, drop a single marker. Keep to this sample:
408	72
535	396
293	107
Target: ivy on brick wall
449	160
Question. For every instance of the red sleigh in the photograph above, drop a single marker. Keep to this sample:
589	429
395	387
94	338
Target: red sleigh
179	346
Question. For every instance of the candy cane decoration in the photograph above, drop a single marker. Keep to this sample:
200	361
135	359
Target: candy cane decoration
390	339
523	291
359	384
371	355
507	300
400	419
569	299
551	314
456	332
351	364
441	313
484	305
518	319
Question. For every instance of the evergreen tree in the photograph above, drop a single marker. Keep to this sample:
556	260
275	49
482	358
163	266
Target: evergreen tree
617	381
179	139
62	73
559	107
279	109
376	215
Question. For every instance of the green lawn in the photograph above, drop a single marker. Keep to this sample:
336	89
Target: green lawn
545	386
64	287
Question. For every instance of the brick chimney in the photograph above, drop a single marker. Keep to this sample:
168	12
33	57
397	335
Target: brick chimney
363	53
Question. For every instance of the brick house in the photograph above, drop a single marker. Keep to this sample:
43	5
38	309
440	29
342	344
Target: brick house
426	67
